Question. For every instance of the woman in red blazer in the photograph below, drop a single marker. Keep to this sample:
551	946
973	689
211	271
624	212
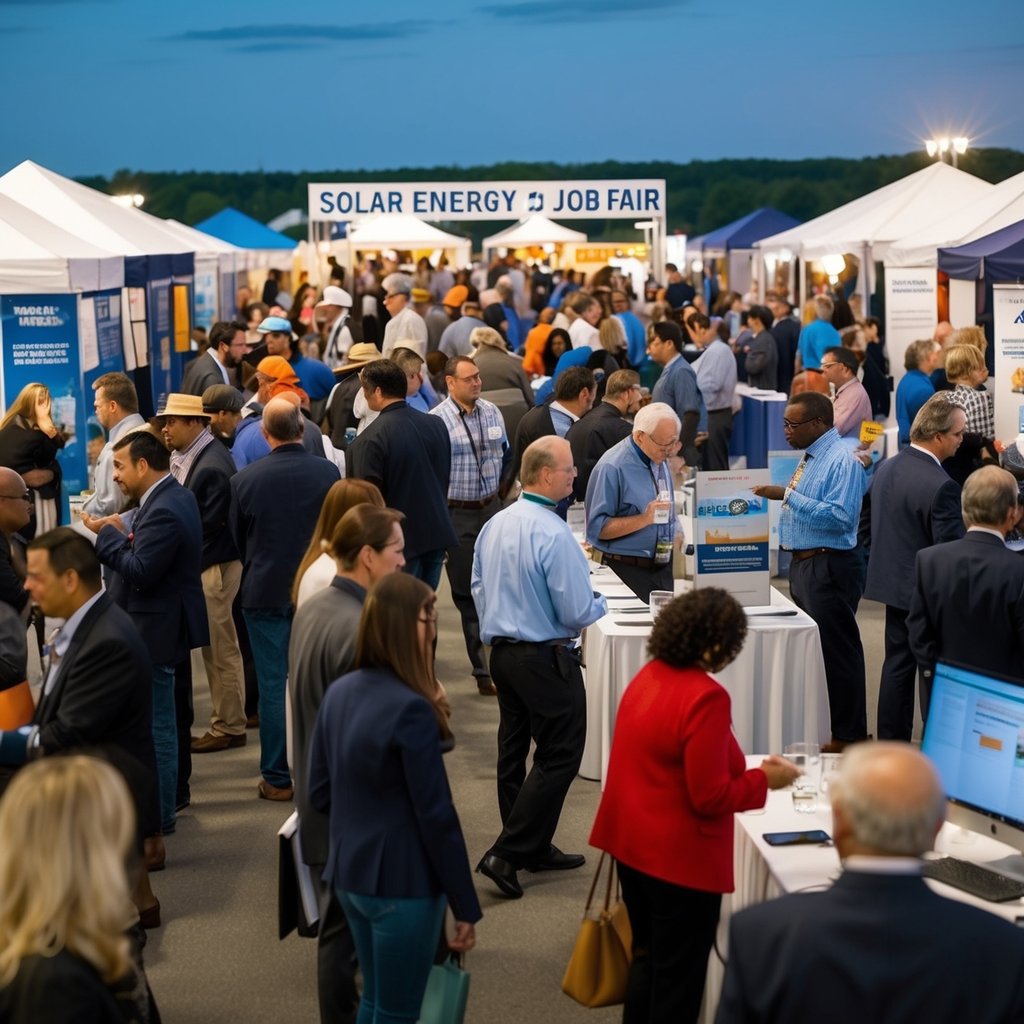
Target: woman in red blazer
675	778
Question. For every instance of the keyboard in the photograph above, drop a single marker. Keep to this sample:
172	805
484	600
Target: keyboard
972	878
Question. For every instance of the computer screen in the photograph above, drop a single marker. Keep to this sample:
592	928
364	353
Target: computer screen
975	738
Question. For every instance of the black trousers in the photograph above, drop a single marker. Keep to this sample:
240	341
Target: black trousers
184	717
642	581
715	451
335	958
673	932
828	587
540	698
468	523
899	675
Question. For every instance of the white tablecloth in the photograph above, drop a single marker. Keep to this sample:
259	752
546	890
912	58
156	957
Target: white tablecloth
764	872
777	683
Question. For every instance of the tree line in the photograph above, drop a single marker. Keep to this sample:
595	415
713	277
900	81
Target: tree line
702	194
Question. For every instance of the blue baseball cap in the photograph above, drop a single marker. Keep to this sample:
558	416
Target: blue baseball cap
275	325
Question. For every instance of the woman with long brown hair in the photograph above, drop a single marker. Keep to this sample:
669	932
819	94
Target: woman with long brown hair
396	854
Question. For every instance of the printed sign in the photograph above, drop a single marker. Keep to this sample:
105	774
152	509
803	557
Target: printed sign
1008	331
731	527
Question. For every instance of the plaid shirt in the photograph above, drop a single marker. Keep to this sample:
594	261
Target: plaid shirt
478	447
978	406
181	462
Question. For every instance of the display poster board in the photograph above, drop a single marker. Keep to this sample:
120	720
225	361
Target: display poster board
159	307
1008	382
39	339
99	327
731	527
206	301
911	311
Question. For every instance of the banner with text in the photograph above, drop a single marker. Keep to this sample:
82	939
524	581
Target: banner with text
488	200
731	535
39	337
1008	331
911	311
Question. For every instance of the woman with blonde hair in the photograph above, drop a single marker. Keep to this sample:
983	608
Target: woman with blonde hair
966	371
317	569
396	853
65	907
29	442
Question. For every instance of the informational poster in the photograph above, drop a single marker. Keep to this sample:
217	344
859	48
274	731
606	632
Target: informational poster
182	332
911	311
159	301
206	301
39	339
105	311
133	328
1008	382
731	527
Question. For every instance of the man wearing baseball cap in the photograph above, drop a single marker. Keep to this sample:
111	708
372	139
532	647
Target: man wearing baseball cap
314	378
332	313
223	404
406	327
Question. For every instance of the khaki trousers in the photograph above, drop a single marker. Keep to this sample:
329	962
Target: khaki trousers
222	658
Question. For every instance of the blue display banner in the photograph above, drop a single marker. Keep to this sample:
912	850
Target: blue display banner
158	308
105	308
39	336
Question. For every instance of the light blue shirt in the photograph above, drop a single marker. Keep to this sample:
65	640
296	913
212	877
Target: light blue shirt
624	482
677	386
823	510
530	577
106	497
817	336
716	375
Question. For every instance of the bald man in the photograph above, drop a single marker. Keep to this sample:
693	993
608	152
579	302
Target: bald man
879	945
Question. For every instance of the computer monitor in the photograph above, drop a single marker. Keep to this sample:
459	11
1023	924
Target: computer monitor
975	738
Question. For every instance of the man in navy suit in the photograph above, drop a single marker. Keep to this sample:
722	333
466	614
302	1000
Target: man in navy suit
879	945
275	503
154	553
968	599
912	504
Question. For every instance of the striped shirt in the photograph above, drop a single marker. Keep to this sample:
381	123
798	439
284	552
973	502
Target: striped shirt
978	407
478	448
181	462
823	508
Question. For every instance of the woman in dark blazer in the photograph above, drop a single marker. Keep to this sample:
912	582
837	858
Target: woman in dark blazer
65	957
675	778
396	855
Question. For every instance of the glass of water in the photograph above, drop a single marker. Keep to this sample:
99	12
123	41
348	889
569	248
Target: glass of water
807	757
658	600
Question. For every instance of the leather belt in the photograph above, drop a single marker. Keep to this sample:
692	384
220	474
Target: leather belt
799	556
478	504
561	641
640	563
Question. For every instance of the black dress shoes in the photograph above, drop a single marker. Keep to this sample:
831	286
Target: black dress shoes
558	861
502	874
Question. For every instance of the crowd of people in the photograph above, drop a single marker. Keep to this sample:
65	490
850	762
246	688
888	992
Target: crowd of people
289	512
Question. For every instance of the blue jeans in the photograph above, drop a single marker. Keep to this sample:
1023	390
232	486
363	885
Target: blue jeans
165	743
395	942
269	631
426	567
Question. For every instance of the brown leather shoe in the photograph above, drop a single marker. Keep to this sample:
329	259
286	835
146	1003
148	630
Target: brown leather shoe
269	792
150	917
211	741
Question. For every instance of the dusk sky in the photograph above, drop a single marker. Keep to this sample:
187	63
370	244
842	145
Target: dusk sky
97	85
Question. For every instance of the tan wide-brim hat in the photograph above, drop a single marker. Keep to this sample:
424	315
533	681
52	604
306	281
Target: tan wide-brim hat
181	405
359	355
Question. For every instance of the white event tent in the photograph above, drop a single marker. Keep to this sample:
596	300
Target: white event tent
535	230
39	256
89	214
868	226
1002	206
404	231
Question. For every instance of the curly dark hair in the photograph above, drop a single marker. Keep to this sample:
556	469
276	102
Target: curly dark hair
704	628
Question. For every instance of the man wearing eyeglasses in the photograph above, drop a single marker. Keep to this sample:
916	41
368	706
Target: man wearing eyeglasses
850	402
406	327
480	455
16	508
631	519
818	525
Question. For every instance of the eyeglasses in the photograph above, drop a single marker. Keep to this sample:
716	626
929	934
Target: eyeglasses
27	496
393	295
475	377
664	444
825	366
793	424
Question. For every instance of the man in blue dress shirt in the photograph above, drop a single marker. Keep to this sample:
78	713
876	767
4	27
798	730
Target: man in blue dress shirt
532	591
818	524
677	386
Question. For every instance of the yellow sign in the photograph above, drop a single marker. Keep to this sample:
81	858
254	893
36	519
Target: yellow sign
870	431
182	324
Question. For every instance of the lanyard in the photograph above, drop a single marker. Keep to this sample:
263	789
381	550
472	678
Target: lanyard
472	445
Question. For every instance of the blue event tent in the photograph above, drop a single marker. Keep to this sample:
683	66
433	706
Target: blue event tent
743	233
240	229
995	257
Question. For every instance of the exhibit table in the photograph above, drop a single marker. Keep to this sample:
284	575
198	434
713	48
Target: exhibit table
777	683
763	872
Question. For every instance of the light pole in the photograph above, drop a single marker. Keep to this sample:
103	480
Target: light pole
944	144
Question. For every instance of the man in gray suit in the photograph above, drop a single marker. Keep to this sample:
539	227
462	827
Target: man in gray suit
366	546
215	365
